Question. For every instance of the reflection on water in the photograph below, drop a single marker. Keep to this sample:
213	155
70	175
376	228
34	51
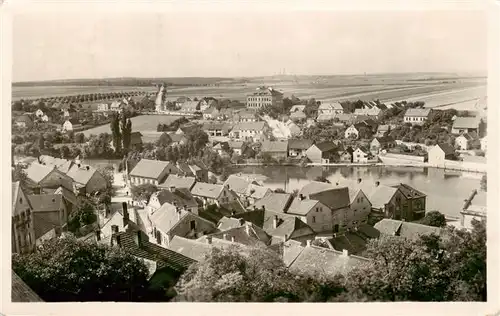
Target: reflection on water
445	190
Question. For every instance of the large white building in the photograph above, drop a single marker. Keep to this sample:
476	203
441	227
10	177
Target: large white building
264	96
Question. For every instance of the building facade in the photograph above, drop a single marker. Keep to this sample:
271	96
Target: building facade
264	96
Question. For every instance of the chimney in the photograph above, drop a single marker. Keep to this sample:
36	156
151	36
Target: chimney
308	242
172	188
301	196
88	168
209	240
275	221
242	221
359	180
345	253
263	207
178	214
286	237
138	238
79	165
232	238
125	217
377	183
118	241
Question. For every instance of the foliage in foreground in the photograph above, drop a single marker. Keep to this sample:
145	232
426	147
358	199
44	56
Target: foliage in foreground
66	269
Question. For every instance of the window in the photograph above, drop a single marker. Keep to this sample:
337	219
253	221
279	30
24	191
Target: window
192	225
21	200
314	219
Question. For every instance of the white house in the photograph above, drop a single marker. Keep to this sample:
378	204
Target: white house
67	126
330	108
484	143
103	107
65	113
361	155
45	118
416	116
249	131
439	153
39	113
463	141
351	132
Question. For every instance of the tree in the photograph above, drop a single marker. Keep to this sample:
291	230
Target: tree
126	131
164	140
484	182
79	138
115	132
65	153
433	218
68	270
84	214
19	174
143	192
230	275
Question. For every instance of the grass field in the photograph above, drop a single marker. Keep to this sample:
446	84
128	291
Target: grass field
142	123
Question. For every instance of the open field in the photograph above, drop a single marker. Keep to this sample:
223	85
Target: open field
53	91
142	123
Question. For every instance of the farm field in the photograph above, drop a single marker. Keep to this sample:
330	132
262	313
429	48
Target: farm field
142	123
53	91
451	97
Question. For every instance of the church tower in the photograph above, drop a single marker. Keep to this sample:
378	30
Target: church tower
161	97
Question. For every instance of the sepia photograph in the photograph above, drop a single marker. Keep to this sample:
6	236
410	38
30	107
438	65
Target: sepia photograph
334	156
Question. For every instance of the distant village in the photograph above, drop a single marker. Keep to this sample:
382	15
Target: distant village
170	208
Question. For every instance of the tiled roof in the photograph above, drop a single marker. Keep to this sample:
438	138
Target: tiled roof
446	148
238	184
69	195
257	191
197	250
255	126
417	112
302	207
247	234
162	256
388	226
326	146
167	217
180	197
315	261
37	172
382	128
147	168
226	223
326	117
44	222
274	146
414	231
466	122
62	165
291	250
178	182
46	202
208	190
381	195
301	144
21	292
334	198
82	174
330	106
385	139
276	202
315	187
408	191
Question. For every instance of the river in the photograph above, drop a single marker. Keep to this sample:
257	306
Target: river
445	190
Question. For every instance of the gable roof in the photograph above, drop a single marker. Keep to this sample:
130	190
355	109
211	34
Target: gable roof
177	138
247	234
196	249
333	198
381	195
314	261
384	139
274	146
208	190
180	197
46	202
446	148
300	144
255	126
276	202
21	292
147	168
238	184
235	145
417	112
167	217
326	146
407	230
466	122
315	187
302	207
37	172
162	256
82	174
176	181
408	191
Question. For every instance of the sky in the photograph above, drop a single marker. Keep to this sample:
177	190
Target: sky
52	45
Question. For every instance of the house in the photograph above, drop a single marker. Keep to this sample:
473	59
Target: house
165	266
275	202
383	130
62	165
276	149
280	226
210	113
190	107
413	207
198	249
87	179
151	171
468	125
322	153
381	143
241	149
250	131
355	241
464	141
245	233
330	108
335	198
312	212
297	108
23	234
196	170
216	129
360	208
298	147
416	116
240	185
293	128
169	221
24	121
181	100
178	139
39	113
176	197
210	193
325	117
373	111
246	116
439	153
351	132
186	129
408	230
40	176
264	96
179	182
346	156
221	148
484	144
49	213
21	292
312	261
67	126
